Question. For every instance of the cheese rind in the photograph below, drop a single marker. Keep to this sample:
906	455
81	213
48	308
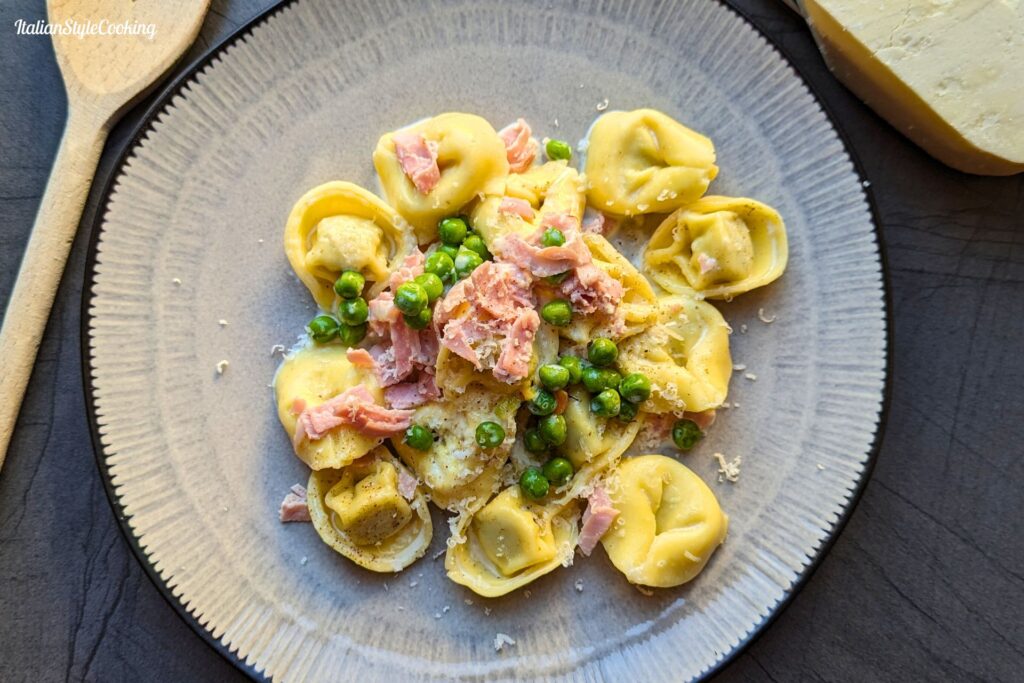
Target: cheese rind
949	75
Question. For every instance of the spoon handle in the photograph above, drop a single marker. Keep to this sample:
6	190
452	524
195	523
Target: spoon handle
43	263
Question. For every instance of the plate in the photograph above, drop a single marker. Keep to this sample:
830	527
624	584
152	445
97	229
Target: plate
188	270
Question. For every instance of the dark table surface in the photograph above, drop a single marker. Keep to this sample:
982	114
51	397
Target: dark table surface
925	583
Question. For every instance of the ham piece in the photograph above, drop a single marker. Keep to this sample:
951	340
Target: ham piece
293	507
360	358
406	484
418	159
516	207
597	519
355	408
544	261
488	318
520	148
412	394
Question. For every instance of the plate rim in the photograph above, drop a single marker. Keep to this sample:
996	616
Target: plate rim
144	125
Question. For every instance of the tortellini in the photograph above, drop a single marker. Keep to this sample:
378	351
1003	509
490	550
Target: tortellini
457	473
646	162
669	522
718	246
685	355
550	189
360	511
510	542
312	376
339	226
472	161
639	306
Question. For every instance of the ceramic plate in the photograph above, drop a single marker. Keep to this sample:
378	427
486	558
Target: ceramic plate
192	235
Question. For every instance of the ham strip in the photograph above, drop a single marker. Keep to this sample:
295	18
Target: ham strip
520	148
418	159
293	507
412	394
545	261
517	350
406	484
355	408
360	358
591	290
594	222
597	519
516	207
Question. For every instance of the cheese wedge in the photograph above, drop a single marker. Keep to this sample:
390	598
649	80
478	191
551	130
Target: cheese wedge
949	74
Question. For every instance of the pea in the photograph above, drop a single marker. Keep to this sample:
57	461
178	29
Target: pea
557	313
450	250
442	265
555	280
635	387
610	379
534	442
322	329
558	471
686	434
419	321
573	365
627	411
602	352
558	149
533	483
552	237
432	285
418	437
606	404
452	230
543	403
350	284
552	429
353	311
476	243
553	377
466	262
350	335
489	435
592	379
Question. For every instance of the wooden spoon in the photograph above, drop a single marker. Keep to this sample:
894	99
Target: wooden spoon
105	73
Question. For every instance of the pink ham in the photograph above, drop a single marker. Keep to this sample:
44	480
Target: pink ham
382	313
597	519
595	222
355	408
703	420
517	350
591	290
293	507
520	148
406	484
360	358
418	159
412	394
544	261
411	267
516	207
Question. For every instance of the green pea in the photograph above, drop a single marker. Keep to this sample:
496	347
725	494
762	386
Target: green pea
432	285
592	379
420	321
635	387
611	379
606	404
489	435
558	149
418	437
322	329
411	298
350	284
353	311
543	403
476	243
574	366
552	237
466	262
555	280
442	265
533	483
627	411
553	377
450	250
350	335
558	471
452	230
686	434
552	429
534	442
557	313
602	352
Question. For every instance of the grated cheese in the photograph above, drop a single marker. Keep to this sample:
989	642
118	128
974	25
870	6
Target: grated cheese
222	322
751	376
728	470
602	105
767	320
739	367
177	281
501	640
579	585
304	560
222	366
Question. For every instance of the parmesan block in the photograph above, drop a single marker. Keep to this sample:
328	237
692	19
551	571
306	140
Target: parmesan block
949	74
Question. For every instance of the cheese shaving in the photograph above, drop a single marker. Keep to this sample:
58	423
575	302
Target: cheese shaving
767	320
728	470
501	640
